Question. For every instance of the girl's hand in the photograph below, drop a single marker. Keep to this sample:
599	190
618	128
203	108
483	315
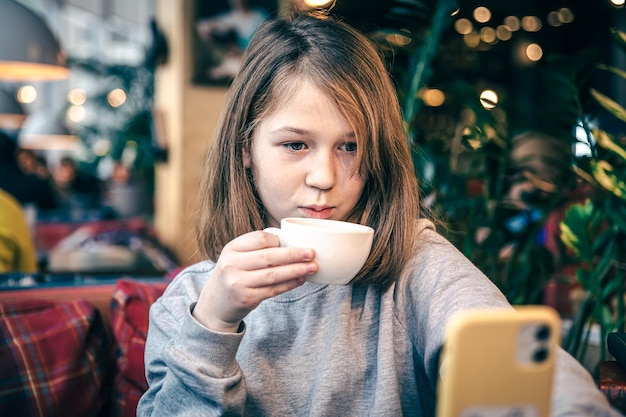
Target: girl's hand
250	269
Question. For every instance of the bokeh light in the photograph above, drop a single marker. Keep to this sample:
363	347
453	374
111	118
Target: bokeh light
76	113
534	52
512	23
565	15
433	97
77	96
26	94
503	32
472	39
463	26
489	99
531	23
488	35
553	19
317	3
482	14
116	97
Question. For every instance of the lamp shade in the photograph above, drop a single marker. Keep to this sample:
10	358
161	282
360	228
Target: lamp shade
44	131
28	49
12	113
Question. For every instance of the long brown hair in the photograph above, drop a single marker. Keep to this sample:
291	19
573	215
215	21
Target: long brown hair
344	64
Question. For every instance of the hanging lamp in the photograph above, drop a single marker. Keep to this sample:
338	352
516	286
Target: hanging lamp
28	49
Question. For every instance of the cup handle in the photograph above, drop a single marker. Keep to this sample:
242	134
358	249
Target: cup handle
273	230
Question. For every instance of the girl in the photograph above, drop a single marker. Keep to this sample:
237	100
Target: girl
312	128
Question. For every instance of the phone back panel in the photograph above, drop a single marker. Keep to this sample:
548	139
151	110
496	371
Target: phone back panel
499	363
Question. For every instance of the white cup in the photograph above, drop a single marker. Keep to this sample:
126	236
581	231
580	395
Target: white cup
341	248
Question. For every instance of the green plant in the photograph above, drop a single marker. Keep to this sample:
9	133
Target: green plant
463	166
595	230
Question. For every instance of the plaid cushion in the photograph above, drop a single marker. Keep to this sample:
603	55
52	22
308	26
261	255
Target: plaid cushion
54	359
130	308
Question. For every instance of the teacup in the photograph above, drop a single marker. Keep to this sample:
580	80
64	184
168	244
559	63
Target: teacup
341	248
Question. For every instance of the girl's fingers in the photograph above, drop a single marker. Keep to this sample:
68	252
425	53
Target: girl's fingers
259	250
253	241
278	276
265	258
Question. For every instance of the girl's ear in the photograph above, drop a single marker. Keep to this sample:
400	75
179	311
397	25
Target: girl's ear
247	160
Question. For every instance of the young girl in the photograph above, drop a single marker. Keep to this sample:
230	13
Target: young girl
312	128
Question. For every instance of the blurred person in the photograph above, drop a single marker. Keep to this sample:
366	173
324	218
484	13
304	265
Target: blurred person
17	250
228	33
78	189
31	163
24	187
125	193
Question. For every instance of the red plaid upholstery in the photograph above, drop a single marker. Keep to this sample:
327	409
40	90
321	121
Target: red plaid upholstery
54	359
130	307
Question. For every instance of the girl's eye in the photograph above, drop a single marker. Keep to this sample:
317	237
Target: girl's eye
349	147
294	146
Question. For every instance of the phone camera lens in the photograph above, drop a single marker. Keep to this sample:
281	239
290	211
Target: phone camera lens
540	355
543	332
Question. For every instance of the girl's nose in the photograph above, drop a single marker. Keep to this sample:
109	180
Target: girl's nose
322	171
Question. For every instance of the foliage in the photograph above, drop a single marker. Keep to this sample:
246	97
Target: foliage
464	163
129	127
595	230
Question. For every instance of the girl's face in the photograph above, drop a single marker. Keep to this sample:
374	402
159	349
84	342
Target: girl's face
302	157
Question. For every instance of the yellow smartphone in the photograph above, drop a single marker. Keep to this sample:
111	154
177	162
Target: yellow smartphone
498	363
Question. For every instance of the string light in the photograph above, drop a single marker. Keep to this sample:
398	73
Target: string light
553	19
531	23
512	23
463	26
504	33
472	39
482	14
488	35
565	15
534	52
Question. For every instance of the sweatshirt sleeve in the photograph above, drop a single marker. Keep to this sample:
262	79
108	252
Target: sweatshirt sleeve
190	369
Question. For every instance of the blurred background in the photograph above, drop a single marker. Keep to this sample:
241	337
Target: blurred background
512	110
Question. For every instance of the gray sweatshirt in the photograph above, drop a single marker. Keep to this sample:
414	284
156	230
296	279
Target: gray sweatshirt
327	350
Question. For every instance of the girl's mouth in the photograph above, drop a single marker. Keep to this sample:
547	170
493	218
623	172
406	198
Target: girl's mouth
317	212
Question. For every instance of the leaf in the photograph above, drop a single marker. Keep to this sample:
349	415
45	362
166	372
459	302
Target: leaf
612	286
569	238
402	13
606	262
613	107
601	240
415	3
614	70
473	138
583	174
585	278
620	37
573	228
606	141
616	214
604	173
